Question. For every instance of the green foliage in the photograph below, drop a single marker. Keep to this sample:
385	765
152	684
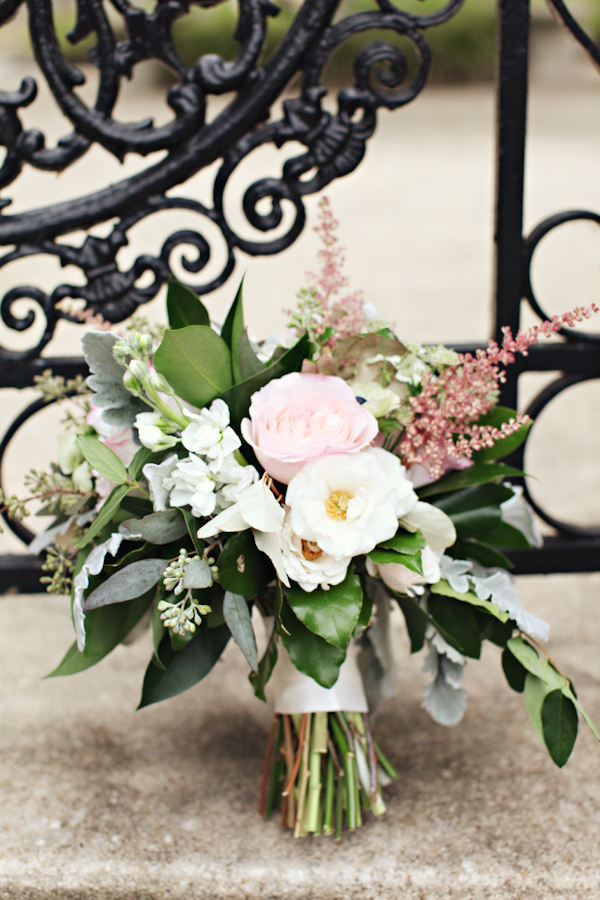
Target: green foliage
559	725
332	614
126	584
158	528
478	473
475	510
196	362
457	623
416	621
239	621
443	589
103	459
310	653
184	307
265	667
183	668
109	508
243	569
496	417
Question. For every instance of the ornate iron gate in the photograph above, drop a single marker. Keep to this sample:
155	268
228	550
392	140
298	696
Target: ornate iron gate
334	144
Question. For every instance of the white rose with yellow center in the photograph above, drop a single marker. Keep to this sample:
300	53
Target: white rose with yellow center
347	503
306	564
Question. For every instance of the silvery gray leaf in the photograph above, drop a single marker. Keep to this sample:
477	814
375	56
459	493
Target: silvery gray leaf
237	616
106	380
157	528
445	704
197	574
127	584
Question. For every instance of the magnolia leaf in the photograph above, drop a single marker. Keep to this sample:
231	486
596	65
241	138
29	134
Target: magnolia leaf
184	307
259	508
479	473
196	362
102	458
239	621
157	528
127	583
249	363
243	569
457	620
384	557
480	552
403	542
416	621
197	574
106	380
474	510
437	528
505	535
183	668
559	726
310	654
332	614
444	589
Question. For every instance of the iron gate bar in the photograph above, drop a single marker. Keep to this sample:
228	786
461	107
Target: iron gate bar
334	145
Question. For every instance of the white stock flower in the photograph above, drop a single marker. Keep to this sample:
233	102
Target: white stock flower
192	485
306	563
209	433
152	431
347	503
233	478
158	476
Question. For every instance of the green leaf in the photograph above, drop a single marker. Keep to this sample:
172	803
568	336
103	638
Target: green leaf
239	621
73	661
527	656
238	397
404	542
559	726
158	633
568	692
332	614
192	527
416	621
383	557
109	508
141	458
126	584
185	667
535	692
474	510
243	569
478	473
364	618
137	506
443	589
458	620
265	668
196	362
496	417
309	653
102	458
249	363
479	551
505	535
184	307
197	574
106	627
158	528
234	321
514	671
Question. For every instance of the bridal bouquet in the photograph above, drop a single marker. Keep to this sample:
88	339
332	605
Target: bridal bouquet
319	482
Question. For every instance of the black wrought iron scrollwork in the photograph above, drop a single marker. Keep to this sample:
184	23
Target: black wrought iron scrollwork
334	142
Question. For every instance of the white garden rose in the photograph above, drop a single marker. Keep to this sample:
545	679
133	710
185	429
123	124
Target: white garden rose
306	563
349	503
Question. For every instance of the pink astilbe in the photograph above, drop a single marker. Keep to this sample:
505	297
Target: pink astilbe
444	414
325	307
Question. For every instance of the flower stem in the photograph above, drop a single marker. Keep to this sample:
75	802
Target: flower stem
384	761
265	774
329	796
299	828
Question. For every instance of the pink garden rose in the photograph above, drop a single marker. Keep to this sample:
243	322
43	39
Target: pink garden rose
300	418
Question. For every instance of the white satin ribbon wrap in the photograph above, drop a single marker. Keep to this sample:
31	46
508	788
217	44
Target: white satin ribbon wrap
294	692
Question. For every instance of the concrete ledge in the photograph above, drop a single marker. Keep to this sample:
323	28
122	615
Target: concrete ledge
104	802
